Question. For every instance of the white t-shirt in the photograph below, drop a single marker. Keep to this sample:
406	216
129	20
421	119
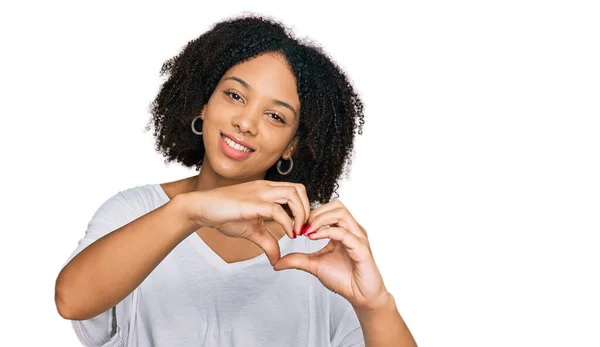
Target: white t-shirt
195	298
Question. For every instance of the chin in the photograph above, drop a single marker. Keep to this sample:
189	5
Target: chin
228	169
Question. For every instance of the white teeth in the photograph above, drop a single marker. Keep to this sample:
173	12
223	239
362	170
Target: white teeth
236	146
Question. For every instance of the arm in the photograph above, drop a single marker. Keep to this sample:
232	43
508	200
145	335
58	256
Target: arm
384	326
346	267
109	269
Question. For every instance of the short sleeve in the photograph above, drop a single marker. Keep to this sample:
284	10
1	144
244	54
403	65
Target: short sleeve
108	328
345	327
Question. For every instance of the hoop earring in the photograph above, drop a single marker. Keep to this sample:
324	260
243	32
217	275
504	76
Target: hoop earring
288	170
194	128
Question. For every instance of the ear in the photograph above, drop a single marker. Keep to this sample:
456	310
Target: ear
290	148
202	111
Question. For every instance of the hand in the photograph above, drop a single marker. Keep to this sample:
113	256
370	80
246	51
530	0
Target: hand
240	211
345	265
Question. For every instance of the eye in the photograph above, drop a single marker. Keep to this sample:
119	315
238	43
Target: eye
276	117
233	95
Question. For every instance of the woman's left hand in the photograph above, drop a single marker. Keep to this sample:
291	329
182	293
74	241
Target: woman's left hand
345	265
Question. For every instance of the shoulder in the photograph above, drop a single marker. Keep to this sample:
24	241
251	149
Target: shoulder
145	197
131	203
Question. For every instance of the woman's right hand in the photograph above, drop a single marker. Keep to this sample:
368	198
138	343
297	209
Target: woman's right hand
240	211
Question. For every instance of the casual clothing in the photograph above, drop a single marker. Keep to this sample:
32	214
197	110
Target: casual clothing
195	298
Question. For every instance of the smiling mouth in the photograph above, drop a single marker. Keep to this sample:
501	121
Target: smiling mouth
236	145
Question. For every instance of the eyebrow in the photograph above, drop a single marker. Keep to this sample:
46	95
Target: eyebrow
275	101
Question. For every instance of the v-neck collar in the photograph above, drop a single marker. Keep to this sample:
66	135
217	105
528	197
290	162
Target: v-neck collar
213	258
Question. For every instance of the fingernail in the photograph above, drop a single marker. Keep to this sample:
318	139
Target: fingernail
305	229
314	232
294	233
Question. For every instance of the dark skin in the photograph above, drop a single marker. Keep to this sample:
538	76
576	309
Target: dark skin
260	97
229	204
230	249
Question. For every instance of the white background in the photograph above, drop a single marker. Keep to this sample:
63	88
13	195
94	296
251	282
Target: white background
477	176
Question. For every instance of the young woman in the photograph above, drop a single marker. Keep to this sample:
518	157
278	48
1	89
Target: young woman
269	123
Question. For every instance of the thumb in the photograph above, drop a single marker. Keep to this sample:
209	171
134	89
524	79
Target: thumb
268	243
300	261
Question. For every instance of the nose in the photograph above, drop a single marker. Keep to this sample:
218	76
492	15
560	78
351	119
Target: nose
245	121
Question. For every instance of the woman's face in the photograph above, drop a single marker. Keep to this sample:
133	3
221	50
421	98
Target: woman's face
251	118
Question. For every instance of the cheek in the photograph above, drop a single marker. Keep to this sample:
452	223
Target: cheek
274	140
212	111
216	105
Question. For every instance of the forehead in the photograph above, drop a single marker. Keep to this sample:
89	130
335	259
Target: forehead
267	75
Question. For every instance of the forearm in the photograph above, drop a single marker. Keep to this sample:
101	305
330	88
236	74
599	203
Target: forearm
385	327
108	270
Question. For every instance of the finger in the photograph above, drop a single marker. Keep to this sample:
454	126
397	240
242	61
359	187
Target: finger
308	227
304	197
298	203
268	243
333	204
289	195
337	216
300	261
277	213
301	192
357	248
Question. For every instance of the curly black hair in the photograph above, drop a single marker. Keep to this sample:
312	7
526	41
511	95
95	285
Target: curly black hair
331	112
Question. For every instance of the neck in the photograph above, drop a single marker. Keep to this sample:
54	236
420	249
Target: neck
209	179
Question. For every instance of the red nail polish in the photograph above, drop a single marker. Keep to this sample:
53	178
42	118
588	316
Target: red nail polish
314	232
305	229
294	233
